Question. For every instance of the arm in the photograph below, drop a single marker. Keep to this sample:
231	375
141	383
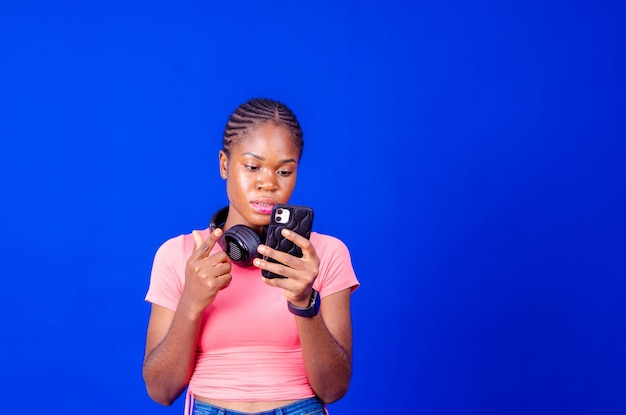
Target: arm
327	347
170	352
172	336
326	338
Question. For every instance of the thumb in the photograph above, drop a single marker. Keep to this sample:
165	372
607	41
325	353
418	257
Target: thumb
197	239
204	246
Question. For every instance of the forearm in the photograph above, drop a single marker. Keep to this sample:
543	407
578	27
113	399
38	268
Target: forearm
327	363
172	338
168	367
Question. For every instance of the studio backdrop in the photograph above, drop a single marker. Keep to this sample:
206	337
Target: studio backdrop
470	154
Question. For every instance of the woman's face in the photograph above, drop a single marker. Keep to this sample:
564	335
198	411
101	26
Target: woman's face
260	172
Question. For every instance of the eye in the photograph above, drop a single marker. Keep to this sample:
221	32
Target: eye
250	167
285	173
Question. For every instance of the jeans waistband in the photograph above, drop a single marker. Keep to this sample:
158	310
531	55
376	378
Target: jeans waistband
307	406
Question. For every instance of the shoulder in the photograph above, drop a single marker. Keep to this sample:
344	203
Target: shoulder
335	271
171	247
327	242
179	246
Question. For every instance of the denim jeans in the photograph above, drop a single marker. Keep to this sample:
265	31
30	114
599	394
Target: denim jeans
308	406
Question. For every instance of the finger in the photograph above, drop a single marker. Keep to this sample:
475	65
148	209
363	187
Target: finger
275	282
280	256
213	237
275	268
297	239
227	278
197	239
204	247
218	258
221	268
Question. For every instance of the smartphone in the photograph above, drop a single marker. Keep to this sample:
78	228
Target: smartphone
296	218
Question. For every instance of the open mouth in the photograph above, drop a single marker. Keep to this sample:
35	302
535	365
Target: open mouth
263	207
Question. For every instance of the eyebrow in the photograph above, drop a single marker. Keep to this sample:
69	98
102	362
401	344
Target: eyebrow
256	156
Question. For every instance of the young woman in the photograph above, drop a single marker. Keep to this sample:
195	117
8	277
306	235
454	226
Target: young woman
236	341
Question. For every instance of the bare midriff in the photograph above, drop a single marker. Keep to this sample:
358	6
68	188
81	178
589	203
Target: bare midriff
245	406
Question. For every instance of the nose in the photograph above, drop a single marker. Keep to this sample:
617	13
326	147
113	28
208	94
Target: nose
267	180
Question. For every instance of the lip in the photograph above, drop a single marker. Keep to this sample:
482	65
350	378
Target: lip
263	206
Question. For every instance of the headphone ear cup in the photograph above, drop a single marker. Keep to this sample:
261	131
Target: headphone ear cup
240	244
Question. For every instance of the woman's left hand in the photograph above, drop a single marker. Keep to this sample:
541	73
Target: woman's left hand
299	272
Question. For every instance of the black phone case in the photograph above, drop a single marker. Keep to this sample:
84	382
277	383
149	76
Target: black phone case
300	221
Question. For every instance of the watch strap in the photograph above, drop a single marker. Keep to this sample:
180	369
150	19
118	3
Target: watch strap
311	310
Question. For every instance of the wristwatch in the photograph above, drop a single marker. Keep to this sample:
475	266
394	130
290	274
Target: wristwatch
311	310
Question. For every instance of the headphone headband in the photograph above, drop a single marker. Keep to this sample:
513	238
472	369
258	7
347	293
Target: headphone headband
218	219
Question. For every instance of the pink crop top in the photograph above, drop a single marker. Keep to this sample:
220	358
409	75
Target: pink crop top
249	349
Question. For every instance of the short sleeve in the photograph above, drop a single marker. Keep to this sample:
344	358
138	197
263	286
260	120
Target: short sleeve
167	277
336	272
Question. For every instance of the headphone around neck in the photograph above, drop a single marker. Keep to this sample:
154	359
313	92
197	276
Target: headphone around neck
239	242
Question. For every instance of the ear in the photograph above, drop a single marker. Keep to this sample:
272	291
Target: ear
223	164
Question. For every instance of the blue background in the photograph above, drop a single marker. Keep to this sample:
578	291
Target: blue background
471	155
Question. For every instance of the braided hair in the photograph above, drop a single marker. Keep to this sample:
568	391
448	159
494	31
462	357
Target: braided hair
254	113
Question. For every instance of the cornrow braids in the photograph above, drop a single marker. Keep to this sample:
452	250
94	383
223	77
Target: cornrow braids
254	113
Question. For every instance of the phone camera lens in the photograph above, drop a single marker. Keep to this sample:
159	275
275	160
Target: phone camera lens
279	212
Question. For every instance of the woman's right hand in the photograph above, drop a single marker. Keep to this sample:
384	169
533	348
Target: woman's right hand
205	274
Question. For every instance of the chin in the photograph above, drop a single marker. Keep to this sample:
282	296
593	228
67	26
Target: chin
259	220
